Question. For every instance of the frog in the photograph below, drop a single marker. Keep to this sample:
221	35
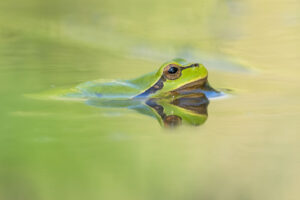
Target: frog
177	93
174	78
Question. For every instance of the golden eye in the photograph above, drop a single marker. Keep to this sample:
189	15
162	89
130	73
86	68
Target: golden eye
172	72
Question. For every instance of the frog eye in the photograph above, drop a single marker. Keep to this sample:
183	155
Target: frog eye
172	72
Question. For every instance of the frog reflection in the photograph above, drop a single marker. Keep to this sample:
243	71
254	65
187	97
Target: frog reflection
189	110
183	110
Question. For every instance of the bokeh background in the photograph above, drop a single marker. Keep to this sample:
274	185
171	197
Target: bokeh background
248	148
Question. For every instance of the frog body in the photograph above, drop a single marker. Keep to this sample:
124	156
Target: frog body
177	93
173	78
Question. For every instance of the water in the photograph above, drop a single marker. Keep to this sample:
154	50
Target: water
247	148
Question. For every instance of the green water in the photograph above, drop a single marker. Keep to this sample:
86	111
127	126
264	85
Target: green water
247	149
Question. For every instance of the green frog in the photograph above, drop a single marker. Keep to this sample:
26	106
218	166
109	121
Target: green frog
174	78
177	93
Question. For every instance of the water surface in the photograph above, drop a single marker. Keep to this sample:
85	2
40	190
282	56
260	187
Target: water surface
247	149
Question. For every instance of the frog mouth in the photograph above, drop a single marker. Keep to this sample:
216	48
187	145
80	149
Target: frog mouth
193	87
196	86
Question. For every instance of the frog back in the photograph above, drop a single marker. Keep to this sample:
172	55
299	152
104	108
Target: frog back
115	88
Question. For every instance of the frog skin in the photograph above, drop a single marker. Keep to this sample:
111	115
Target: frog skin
173	78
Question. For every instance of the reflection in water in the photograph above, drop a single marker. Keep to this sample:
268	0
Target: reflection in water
190	109
184	110
65	150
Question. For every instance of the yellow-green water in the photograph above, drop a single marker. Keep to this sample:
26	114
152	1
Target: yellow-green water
248	148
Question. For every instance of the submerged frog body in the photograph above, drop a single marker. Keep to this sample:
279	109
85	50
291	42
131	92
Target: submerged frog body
174	78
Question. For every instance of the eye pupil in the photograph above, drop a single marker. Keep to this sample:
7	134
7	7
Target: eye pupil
173	70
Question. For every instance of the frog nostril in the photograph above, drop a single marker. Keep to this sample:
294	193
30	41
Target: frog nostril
173	70
196	65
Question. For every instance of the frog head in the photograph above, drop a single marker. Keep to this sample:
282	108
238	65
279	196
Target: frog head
177	77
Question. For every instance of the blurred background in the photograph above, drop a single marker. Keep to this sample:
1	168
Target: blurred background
247	149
